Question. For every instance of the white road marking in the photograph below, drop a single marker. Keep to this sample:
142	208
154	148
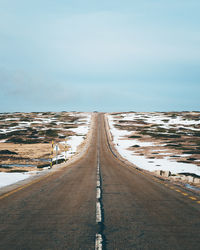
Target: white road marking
99	239
98	212
98	193
98	242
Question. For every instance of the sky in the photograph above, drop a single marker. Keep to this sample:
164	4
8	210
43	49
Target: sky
75	55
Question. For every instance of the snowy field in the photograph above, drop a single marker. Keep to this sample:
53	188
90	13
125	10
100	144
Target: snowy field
135	136
27	139
10	178
74	141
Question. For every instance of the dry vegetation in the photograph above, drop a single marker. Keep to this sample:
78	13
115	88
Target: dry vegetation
25	138
179	140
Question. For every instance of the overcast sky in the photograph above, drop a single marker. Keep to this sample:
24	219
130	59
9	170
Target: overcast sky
99	55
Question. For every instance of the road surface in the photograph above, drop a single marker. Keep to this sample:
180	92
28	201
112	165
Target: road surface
100	201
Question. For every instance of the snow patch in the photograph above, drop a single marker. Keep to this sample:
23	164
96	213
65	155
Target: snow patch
11	178
122	145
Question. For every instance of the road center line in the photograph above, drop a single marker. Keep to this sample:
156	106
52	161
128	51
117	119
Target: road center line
98	193
99	213
98	242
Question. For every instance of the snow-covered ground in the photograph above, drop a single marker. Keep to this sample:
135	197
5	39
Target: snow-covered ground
162	119
122	144
73	142
10	178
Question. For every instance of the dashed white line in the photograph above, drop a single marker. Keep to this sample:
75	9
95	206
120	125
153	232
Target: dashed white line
99	239
98	242
98	212
98	193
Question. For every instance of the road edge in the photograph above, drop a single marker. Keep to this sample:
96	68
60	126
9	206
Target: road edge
130	164
82	150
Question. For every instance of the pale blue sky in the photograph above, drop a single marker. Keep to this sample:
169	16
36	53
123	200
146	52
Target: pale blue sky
99	55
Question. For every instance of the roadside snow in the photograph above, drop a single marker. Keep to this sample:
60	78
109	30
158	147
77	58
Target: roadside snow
157	164
10	178
75	140
80	130
141	161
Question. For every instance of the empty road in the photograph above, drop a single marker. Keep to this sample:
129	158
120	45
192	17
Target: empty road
99	198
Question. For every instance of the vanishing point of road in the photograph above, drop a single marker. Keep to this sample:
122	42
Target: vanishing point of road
99	202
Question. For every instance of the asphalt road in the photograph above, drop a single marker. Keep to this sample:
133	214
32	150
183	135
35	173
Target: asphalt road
136	211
